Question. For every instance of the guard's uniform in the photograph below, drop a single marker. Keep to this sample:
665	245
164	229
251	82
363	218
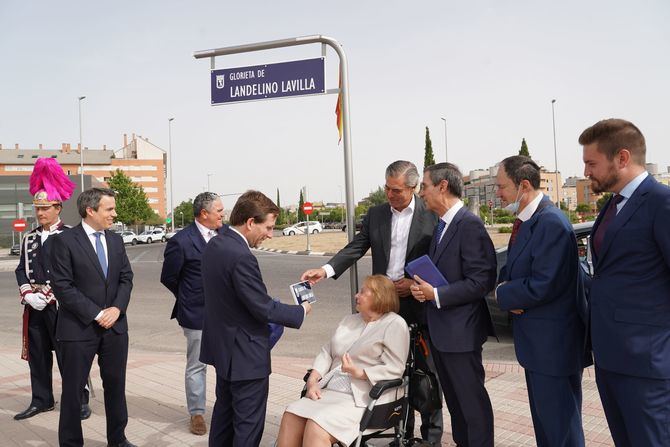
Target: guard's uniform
39	327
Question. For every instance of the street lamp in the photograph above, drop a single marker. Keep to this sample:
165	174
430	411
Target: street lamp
182	218
553	122
170	169
446	152
81	148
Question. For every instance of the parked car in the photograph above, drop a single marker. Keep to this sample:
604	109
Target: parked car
301	228
582	232
15	250
129	237
150	236
359	224
172	233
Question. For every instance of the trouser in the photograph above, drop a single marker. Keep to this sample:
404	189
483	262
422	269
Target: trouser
195	375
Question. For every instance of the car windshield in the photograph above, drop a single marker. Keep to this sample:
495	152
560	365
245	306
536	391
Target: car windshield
145	233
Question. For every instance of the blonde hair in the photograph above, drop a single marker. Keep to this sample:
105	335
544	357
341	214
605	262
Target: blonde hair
384	294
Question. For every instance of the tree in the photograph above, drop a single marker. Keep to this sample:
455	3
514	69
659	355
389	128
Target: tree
600	203
428	158
183	213
583	208
301	213
280	218
524	148
377	197
132	206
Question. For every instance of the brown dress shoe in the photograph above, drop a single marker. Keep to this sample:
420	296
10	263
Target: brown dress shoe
198	425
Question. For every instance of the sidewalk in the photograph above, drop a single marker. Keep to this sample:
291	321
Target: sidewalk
158	417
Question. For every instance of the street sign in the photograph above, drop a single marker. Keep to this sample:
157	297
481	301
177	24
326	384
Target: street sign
19	224
295	78
307	208
490	203
168	220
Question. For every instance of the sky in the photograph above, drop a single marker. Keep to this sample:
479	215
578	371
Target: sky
490	67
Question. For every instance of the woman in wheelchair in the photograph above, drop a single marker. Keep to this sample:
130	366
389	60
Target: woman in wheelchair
367	347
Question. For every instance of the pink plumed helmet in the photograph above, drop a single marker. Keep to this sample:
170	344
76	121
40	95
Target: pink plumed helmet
48	183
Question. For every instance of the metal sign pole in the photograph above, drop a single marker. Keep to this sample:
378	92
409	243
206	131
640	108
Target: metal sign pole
346	124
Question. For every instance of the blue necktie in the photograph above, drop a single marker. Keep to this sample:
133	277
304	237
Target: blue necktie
100	250
438	231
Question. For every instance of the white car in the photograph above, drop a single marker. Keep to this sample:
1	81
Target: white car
129	237
301	227
150	236
172	233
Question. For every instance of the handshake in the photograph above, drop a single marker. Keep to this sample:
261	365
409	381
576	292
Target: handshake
37	301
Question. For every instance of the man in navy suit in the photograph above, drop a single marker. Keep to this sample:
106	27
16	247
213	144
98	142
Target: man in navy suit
541	286
92	278
235	334
182	275
630	291
458	318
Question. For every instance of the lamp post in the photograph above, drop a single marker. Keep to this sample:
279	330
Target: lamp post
182	218
170	170
81	148
446	152
553	122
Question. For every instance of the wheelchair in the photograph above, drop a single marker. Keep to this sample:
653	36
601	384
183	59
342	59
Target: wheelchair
379	419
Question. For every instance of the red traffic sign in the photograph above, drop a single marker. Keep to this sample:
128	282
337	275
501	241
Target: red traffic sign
307	208
19	224
490	203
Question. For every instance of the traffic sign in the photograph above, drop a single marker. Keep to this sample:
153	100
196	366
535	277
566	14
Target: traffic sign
168	220
490	203
19	224
307	208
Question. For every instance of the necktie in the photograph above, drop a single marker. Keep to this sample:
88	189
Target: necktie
100	251
610	214
515	230
438	231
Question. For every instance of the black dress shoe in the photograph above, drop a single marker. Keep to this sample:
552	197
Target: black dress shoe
84	412
32	411
124	443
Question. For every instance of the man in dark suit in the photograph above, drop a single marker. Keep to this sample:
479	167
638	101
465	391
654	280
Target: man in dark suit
458	318
398	232
92	278
541	286
235	334
182	275
630	291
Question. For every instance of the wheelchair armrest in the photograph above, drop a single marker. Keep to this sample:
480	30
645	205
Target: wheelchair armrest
384	385
309	371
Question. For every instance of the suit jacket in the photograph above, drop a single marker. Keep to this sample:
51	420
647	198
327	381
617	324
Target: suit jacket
542	277
380	348
81	287
630	289
376	234
182	275
235	334
467	259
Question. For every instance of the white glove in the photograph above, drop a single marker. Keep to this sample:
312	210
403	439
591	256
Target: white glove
36	300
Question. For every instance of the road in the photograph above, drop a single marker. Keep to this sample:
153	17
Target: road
151	304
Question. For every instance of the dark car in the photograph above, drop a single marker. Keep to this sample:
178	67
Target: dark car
15	250
582	231
359	224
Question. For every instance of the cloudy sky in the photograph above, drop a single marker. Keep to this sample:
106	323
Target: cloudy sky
490	67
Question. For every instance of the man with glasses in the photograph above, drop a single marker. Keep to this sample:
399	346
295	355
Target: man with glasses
398	232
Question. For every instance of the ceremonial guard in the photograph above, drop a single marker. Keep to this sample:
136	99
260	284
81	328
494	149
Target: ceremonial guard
50	187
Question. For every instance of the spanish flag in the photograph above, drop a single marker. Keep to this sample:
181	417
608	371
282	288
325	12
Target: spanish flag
338	112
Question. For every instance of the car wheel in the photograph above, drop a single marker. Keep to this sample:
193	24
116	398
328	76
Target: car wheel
163	239
133	242
148	240
344	228
291	233
315	231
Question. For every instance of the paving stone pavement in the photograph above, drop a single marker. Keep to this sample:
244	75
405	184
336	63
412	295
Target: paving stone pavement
158	416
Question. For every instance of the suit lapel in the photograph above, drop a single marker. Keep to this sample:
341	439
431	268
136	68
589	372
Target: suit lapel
385	232
112	261
526	232
86	245
416	226
195	235
448	235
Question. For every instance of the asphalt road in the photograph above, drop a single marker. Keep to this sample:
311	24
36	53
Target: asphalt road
151	304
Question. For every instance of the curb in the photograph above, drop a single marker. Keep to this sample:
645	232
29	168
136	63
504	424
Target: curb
298	252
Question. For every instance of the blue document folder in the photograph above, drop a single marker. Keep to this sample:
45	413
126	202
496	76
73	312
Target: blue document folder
424	268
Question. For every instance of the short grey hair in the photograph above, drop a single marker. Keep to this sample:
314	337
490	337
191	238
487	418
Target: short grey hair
404	168
203	201
91	199
448	172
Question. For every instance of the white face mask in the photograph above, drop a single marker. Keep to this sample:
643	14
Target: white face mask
514	206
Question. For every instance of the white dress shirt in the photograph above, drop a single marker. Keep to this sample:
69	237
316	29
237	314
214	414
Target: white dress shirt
629	189
44	234
90	233
447	218
207	234
530	209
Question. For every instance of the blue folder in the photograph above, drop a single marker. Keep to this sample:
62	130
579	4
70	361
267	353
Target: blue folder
424	268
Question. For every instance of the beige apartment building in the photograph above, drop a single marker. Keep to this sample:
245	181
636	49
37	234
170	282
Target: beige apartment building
139	159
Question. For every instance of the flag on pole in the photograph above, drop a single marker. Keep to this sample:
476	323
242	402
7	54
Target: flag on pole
338	111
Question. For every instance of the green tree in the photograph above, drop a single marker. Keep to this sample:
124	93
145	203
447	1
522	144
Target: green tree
600	203
583	208
524	148
183	213
377	197
280	218
301	213
428	158
132	206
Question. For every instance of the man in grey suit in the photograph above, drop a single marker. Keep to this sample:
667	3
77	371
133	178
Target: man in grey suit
398	232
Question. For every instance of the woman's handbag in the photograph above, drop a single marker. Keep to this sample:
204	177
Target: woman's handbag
424	390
